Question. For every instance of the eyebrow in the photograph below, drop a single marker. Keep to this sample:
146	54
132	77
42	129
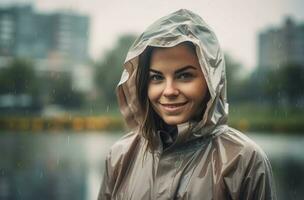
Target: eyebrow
177	71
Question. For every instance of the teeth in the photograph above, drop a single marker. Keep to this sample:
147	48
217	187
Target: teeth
174	105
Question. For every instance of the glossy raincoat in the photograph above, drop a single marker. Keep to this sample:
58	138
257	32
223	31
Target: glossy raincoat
209	160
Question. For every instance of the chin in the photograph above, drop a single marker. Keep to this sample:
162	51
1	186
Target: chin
174	120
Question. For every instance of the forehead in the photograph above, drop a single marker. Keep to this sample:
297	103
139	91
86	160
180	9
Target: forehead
173	57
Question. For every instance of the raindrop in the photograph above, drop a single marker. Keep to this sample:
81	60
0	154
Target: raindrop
108	108
68	140
41	175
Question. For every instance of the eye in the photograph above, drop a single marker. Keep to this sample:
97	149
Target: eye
185	76
155	77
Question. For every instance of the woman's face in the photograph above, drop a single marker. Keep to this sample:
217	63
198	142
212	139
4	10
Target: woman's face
177	86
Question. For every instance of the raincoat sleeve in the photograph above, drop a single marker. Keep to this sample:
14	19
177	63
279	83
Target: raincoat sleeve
116	164
107	182
258	180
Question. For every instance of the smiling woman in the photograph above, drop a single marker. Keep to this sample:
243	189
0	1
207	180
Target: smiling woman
173	96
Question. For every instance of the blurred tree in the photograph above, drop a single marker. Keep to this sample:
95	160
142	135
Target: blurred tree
261	86
291	81
280	85
109	70
61	92
18	77
273	86
235	80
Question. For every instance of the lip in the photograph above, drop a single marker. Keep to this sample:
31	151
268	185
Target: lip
173	107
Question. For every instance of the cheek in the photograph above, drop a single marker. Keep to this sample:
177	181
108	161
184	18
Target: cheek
197	92
153	93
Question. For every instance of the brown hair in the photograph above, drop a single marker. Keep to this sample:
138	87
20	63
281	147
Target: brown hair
152	122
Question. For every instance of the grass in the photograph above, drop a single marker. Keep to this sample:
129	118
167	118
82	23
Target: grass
253	117
245	117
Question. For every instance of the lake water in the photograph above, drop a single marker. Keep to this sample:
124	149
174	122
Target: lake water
70	165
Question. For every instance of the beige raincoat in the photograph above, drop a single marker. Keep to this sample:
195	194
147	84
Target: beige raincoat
212	161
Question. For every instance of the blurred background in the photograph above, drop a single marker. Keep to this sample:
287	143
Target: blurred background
60	62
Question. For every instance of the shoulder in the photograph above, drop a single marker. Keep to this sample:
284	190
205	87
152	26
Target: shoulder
251	163
241	141
245	166
116	162
239	144
124	146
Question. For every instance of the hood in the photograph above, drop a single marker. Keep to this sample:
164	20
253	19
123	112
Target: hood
180	26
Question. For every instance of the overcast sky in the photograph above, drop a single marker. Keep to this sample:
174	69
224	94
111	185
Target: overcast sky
235	22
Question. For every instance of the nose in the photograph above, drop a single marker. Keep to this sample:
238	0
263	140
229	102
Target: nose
170	89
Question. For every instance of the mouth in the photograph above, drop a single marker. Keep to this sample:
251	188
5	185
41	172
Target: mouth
173	107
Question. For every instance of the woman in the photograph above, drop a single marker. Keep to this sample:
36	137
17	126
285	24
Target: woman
172	94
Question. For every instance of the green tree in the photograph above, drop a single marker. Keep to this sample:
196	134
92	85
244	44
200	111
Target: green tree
291	80
278	85
108	71
273	86
18	77
235	81
256	84
62	93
